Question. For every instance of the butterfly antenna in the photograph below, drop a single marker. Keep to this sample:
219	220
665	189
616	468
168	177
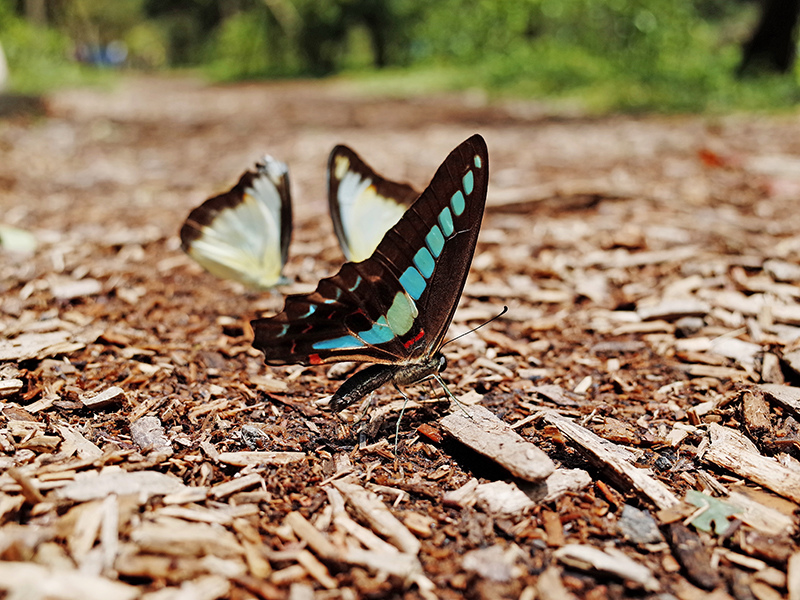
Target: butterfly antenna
494	318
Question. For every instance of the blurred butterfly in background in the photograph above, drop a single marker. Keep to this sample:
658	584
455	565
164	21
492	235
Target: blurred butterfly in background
244	233
394	307
363	204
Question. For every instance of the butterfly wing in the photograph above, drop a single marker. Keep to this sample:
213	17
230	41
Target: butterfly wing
394	307
363	205
244	233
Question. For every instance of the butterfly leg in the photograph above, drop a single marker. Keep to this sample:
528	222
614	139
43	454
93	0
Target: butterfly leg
399	418
438	378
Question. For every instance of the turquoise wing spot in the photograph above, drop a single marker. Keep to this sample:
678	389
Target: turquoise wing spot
336	295
309	312
355	285
413	282
446	221
424	262
284	331
478	161
379	333
435	241
457	202
469	181
401	314
345	341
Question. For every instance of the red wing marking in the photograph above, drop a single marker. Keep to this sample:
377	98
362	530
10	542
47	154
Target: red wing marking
314	359
417	338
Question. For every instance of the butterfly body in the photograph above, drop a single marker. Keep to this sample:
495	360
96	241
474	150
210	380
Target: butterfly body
394	307
244	233
374	376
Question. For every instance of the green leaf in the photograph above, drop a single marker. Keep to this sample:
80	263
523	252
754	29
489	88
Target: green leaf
716	512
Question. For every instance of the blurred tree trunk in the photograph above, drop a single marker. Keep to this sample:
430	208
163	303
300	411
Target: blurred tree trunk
36	11
772	45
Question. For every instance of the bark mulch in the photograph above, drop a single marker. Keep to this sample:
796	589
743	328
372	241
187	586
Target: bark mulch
630	426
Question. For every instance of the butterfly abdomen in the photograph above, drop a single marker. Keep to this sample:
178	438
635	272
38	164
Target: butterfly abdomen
361	384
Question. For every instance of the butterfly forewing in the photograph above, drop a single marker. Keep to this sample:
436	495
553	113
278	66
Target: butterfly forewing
363	205
244	233
394	307
457	192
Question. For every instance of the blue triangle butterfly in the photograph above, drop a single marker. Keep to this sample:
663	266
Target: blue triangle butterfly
393	308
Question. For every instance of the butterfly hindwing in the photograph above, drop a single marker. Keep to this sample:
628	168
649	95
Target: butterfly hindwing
244	233
395	306
363	205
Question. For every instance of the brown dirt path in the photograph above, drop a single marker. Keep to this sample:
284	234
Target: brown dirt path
651	268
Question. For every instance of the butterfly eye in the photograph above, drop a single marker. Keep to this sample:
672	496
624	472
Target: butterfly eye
442	363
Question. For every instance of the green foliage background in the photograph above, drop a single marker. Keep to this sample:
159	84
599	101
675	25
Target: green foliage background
596	55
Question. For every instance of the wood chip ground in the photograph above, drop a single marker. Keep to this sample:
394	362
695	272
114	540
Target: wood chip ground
639	401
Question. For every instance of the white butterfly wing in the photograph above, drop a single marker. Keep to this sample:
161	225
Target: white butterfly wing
244	233
363	205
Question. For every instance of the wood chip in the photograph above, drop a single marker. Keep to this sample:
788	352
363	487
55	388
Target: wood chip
29	490
614	459
755	412
148	433
372	511
9	387
227	488
74	442
269	384
549	586
502	498
494	563
693	556
34	582
785	395
419	524
673	309
366	537
315	539
31	345
175	537
104	399
717	372
742	352
781	270
67	290
560	482
206	587
482	431
731	450
141	484
464	496
316	569
553	528
761	517
587	558
793	577
258	459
